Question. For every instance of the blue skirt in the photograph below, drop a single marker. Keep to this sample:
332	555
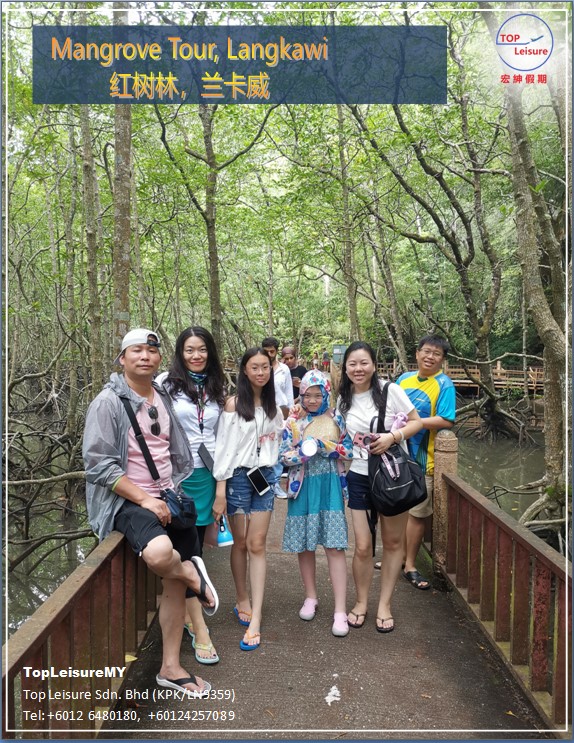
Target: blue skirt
317	515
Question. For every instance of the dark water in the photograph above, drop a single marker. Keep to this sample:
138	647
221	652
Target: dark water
482	465
502	465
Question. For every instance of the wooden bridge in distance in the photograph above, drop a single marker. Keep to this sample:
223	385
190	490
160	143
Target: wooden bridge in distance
504	379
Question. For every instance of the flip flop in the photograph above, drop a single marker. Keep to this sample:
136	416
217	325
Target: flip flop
205	581
189	629
178	685
237	611
415	579
355	624
191	633
244	646
385	630
206	649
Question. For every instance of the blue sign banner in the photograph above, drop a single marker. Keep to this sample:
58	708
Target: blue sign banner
239	64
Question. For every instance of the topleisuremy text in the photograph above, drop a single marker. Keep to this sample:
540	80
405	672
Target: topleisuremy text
53	673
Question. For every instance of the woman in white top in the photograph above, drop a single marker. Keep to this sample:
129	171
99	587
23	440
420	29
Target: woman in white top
196	384
248	437
359	400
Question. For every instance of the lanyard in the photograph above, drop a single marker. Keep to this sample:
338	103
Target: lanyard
200	405
258	440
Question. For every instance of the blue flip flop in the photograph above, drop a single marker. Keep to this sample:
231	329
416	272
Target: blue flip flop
242	622
192	634
246	646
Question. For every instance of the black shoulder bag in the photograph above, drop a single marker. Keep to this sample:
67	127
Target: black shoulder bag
181	506
396	482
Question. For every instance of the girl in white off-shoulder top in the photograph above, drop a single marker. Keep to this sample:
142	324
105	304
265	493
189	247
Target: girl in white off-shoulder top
248	437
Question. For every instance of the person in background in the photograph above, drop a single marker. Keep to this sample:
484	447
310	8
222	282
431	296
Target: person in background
121	493
283	398
315	360
360	398
296	369
248	437
317	491
196	384
326	361
433	395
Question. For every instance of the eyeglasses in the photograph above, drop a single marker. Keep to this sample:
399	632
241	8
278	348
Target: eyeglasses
154	415
431	352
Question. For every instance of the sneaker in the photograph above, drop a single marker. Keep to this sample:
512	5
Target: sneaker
309	609
279	492
340	626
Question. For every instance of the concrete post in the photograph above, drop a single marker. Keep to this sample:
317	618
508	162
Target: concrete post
445	461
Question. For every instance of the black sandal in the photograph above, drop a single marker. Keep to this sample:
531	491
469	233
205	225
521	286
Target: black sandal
415	579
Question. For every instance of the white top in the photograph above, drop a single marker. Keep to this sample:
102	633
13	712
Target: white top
283	385
187	412
362	412
236	443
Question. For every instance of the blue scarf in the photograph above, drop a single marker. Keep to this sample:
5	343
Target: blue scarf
199	381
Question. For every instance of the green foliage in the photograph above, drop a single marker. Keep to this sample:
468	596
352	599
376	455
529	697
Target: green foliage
279	208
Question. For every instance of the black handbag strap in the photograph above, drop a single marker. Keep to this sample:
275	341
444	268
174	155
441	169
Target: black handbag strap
382	411
372	520
140	439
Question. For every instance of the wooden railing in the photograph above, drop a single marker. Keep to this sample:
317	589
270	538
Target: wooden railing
92	621
518	587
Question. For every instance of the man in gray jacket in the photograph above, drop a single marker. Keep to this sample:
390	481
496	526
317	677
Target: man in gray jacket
121	493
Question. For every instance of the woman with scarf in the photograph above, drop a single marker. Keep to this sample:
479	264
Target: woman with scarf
313	446
196	383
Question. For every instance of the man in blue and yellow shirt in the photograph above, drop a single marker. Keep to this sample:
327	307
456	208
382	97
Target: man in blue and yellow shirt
433	396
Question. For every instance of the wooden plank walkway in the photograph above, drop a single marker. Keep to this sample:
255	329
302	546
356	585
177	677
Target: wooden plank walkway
435	677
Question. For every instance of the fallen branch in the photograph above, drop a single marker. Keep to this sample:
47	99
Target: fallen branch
55	478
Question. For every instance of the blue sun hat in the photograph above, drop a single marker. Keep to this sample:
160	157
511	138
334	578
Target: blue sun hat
315	378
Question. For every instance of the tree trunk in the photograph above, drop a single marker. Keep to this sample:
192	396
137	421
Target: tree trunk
348	250
549	330
384	265
122	206
206	116
90	210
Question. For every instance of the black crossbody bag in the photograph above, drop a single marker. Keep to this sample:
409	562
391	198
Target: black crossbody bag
396	482
181	506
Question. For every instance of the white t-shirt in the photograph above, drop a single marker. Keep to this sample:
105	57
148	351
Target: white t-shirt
362	412
236	443
283	385
188	414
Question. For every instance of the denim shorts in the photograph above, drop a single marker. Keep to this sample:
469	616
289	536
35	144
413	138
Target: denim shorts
358	490
242	496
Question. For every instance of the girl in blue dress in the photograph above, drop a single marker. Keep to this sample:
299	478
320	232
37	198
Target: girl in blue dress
317	491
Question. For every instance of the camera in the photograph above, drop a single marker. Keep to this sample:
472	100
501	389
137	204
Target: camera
364	439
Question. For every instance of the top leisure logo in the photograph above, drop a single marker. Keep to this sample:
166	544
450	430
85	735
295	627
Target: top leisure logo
524	42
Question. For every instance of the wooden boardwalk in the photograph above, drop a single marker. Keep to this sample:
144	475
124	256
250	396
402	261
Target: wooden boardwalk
433	678
504	379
